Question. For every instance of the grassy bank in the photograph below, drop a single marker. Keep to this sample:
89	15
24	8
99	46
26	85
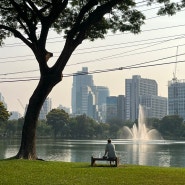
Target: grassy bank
23	172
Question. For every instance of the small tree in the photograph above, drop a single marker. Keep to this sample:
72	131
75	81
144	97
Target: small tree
4	116
31	21
58	119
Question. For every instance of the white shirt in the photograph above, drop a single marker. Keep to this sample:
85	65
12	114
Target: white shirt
110	150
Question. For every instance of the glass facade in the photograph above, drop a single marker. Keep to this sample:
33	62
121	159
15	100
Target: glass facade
176	98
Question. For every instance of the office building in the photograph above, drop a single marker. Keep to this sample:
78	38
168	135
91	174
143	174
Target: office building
154	106
145	92
86	97
121	107
111	107
101	95
176	97
82	85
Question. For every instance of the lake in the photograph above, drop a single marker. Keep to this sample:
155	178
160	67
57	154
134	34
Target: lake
164	153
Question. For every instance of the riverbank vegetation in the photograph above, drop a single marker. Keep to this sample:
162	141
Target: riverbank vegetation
60	124
18	172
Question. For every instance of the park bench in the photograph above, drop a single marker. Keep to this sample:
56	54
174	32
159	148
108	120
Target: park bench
115	160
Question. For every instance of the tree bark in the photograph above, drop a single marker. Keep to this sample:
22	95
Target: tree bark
28	142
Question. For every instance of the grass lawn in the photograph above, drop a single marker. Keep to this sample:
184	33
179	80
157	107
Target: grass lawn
25	172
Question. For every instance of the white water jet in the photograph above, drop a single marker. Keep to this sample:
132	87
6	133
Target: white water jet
140	132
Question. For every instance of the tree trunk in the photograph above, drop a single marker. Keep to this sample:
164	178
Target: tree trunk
28	143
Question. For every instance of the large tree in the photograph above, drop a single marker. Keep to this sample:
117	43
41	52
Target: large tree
77	20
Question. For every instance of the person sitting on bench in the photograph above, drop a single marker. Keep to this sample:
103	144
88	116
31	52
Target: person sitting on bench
110	150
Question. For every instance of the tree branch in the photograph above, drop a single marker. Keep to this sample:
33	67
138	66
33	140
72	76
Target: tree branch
85	9
23	16
47	21
78	31
17	34
35	9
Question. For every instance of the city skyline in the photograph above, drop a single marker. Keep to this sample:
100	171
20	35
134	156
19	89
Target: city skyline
89	81
157	44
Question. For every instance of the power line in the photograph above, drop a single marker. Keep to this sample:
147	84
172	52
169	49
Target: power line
130	66
30	71
22	56
100	71
116	55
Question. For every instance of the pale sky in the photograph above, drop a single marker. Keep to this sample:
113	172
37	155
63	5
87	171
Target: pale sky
157	44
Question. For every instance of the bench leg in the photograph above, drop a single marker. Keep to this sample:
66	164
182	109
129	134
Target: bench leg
92	161
117	161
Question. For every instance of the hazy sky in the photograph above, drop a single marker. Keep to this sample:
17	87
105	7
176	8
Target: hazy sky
156	44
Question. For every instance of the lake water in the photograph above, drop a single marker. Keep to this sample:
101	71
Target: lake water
163	153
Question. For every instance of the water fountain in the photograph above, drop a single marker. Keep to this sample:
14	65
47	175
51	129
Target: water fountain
140	132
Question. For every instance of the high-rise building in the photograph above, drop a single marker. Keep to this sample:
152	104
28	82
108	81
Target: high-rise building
154	106
82	85
46	108
145	92
101	94
111	107
121	107
176	98
86	97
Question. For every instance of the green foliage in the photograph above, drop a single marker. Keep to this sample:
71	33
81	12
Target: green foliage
57	118
171	126
4	115
82	127
90	19
43	129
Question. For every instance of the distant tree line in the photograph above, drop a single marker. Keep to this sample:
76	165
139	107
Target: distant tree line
60	125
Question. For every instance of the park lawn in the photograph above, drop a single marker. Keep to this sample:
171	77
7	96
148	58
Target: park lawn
25	172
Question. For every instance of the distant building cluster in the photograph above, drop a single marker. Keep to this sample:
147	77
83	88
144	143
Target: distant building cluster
96	102
87	98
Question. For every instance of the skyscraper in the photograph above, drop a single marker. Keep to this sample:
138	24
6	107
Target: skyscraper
87	98
176	98
82	86
111	107
135	88
154	106
121	107
102	93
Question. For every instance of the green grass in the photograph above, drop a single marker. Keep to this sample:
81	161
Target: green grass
25	172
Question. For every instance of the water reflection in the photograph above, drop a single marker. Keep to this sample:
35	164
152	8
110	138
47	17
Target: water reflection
146	154
152	153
